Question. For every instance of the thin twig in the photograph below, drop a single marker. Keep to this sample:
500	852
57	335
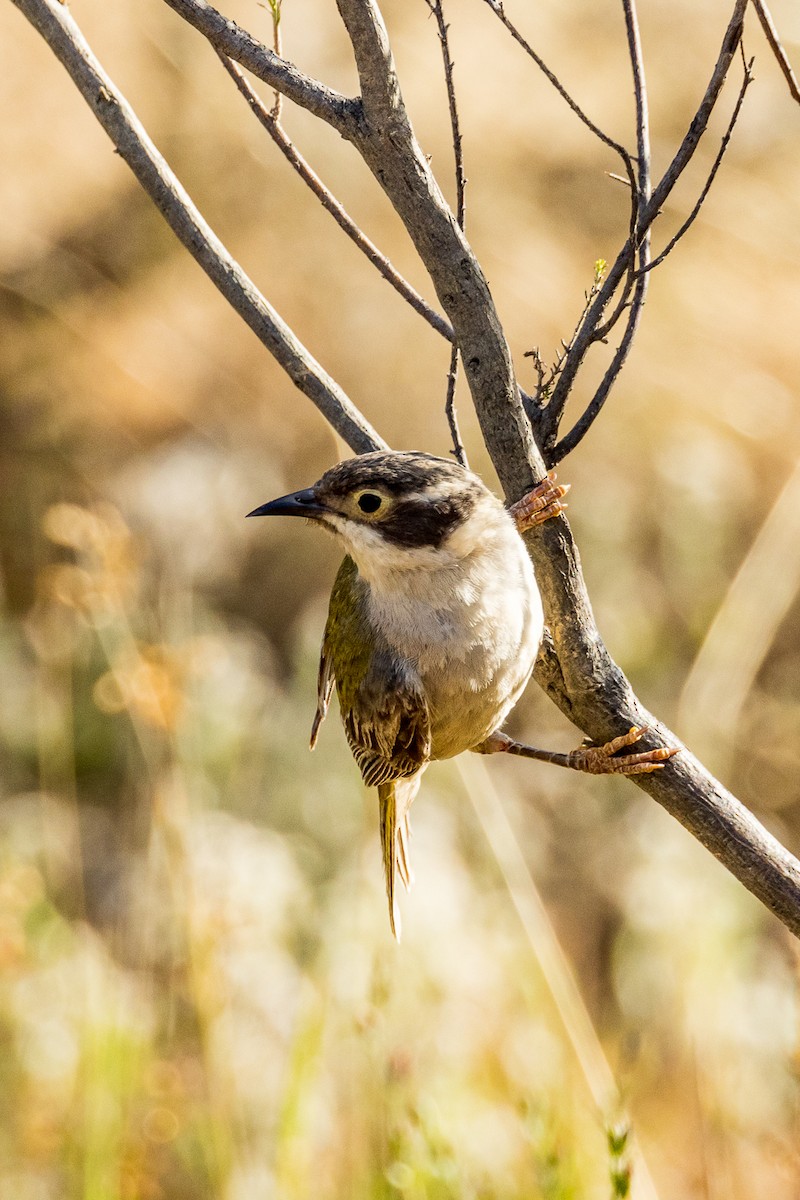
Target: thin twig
331	204
499	12
275	9
642	118
621	265
548	418
436	8
62	34
545	378
635	287
455	125
672	243
771	33
699	123
585	422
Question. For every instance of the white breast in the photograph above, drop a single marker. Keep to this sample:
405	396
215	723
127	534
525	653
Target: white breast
469	620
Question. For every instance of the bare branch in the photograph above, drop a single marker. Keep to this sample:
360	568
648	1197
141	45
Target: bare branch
585	422
377	75
647	215
329	202
458	153
639	244
229	38
672	243
546	378
54	22
771	33
699	124
642	119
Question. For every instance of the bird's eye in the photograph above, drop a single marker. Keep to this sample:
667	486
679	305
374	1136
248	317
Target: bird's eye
368	502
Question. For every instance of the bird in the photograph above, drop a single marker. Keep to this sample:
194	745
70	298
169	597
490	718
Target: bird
434	625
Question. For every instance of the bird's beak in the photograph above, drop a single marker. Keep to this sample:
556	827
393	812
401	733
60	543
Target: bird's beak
297	504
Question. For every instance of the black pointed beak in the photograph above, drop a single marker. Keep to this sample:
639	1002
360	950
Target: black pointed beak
297	504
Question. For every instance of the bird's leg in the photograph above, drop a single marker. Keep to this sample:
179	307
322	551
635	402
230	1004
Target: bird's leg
540	504
595	760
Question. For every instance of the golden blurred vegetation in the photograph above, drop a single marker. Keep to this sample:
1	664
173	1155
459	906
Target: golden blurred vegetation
199	995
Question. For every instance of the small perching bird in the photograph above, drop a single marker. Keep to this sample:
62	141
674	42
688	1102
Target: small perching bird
434	625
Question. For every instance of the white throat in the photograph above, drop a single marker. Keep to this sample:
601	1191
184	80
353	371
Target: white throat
439	606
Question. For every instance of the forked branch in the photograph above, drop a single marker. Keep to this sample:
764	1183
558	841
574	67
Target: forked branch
747	79
624	272
638	256
229	38
269	120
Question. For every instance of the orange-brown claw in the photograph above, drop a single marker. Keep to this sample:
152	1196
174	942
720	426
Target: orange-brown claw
600	760
540	504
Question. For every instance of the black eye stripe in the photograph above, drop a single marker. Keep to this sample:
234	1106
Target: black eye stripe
417	523
368	502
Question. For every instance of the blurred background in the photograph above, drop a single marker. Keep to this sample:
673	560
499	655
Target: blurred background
199	994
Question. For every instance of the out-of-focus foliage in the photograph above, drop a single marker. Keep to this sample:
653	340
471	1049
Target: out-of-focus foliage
199	996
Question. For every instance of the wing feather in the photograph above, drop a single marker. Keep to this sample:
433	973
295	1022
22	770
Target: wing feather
384	709
385	716
325	681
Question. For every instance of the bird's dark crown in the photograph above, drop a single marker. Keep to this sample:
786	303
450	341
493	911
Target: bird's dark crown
396	472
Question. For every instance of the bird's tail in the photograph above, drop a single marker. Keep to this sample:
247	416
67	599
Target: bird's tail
394	800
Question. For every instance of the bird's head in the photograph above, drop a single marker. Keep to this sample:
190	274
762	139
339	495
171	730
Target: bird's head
397	510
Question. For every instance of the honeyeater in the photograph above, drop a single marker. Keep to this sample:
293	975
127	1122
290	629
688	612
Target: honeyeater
434	625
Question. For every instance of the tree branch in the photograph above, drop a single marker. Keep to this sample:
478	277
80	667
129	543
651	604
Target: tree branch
552	78
230	39
54	22
272	125
771	34
245	49
646	217
388	146
672	243
639	254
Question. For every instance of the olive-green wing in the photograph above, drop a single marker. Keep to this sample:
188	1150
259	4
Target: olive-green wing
387	723
325	682
384	711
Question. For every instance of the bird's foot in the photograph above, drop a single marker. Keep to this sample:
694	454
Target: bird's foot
540	504
605	760
594	760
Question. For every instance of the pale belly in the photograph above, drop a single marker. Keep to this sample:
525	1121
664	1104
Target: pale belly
472	697
474	653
